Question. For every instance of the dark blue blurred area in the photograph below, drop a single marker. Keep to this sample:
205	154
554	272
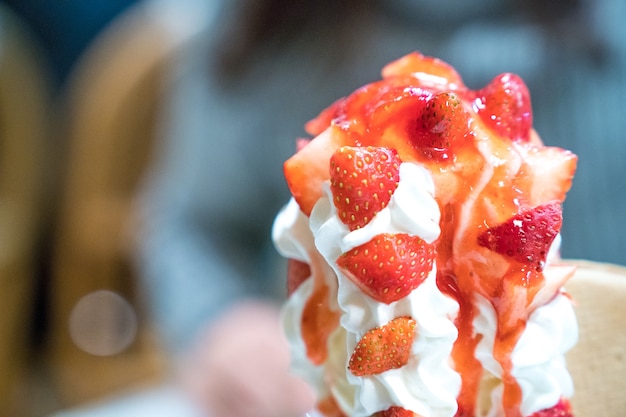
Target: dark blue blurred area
65	28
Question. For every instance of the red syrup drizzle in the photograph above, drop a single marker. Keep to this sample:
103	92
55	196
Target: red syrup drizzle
319	320
510	301
372	116
466	269
458	277
463	350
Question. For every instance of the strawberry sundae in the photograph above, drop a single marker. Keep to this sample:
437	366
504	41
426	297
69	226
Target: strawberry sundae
423	239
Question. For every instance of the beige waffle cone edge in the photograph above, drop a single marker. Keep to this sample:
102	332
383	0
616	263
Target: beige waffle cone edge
598	362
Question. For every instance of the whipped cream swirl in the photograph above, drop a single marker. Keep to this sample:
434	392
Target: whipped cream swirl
427	384
538	357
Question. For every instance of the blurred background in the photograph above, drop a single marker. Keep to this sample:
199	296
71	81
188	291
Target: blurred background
141	156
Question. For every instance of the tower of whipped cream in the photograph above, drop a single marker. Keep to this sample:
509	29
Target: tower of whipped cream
422	239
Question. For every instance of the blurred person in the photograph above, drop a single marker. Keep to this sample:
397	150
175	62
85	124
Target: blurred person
238	97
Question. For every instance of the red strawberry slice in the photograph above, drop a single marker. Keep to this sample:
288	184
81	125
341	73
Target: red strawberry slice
362	181
317	125
556	275
308	169
562	409
297	273
547	173
396	105
443	123
383	348
396	412
504	105
429	70
351	113
389	266
527	236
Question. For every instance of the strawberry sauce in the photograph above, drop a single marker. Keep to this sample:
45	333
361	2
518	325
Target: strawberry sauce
318	319
488	167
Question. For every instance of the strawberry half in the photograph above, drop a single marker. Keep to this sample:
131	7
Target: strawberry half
308	168
297	273
323	120
362	181
429	70
390	266
383	348
504	105
443	123
396	105
548	173
561	409
396	412
527	236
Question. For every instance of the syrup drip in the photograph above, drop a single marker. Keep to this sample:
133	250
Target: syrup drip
477	186
319	320
463	350
329	407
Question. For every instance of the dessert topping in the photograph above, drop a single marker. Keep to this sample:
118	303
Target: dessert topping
396	412
362	181
297	273
527	236
561	409
390	266
442	122
383	348
504	105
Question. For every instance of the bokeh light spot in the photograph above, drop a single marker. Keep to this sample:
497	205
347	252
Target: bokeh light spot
103	323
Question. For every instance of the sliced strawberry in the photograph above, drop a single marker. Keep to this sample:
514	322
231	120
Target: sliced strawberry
297	273
547	174
317	125
430	71
504	105
351	114
396	412
308	169
389	266
383	348
561	409
396	105
443	123
555	275
527	236
362	181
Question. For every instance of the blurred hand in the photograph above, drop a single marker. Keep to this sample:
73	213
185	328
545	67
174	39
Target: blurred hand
240	367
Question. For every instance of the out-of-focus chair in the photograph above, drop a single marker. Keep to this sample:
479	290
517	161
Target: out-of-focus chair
24	111
101	339
598	362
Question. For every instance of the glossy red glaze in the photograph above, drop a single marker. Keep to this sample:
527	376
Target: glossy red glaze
486	177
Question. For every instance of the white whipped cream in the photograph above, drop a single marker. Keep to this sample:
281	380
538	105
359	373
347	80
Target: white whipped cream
427	384
412	210
538	358
293	239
